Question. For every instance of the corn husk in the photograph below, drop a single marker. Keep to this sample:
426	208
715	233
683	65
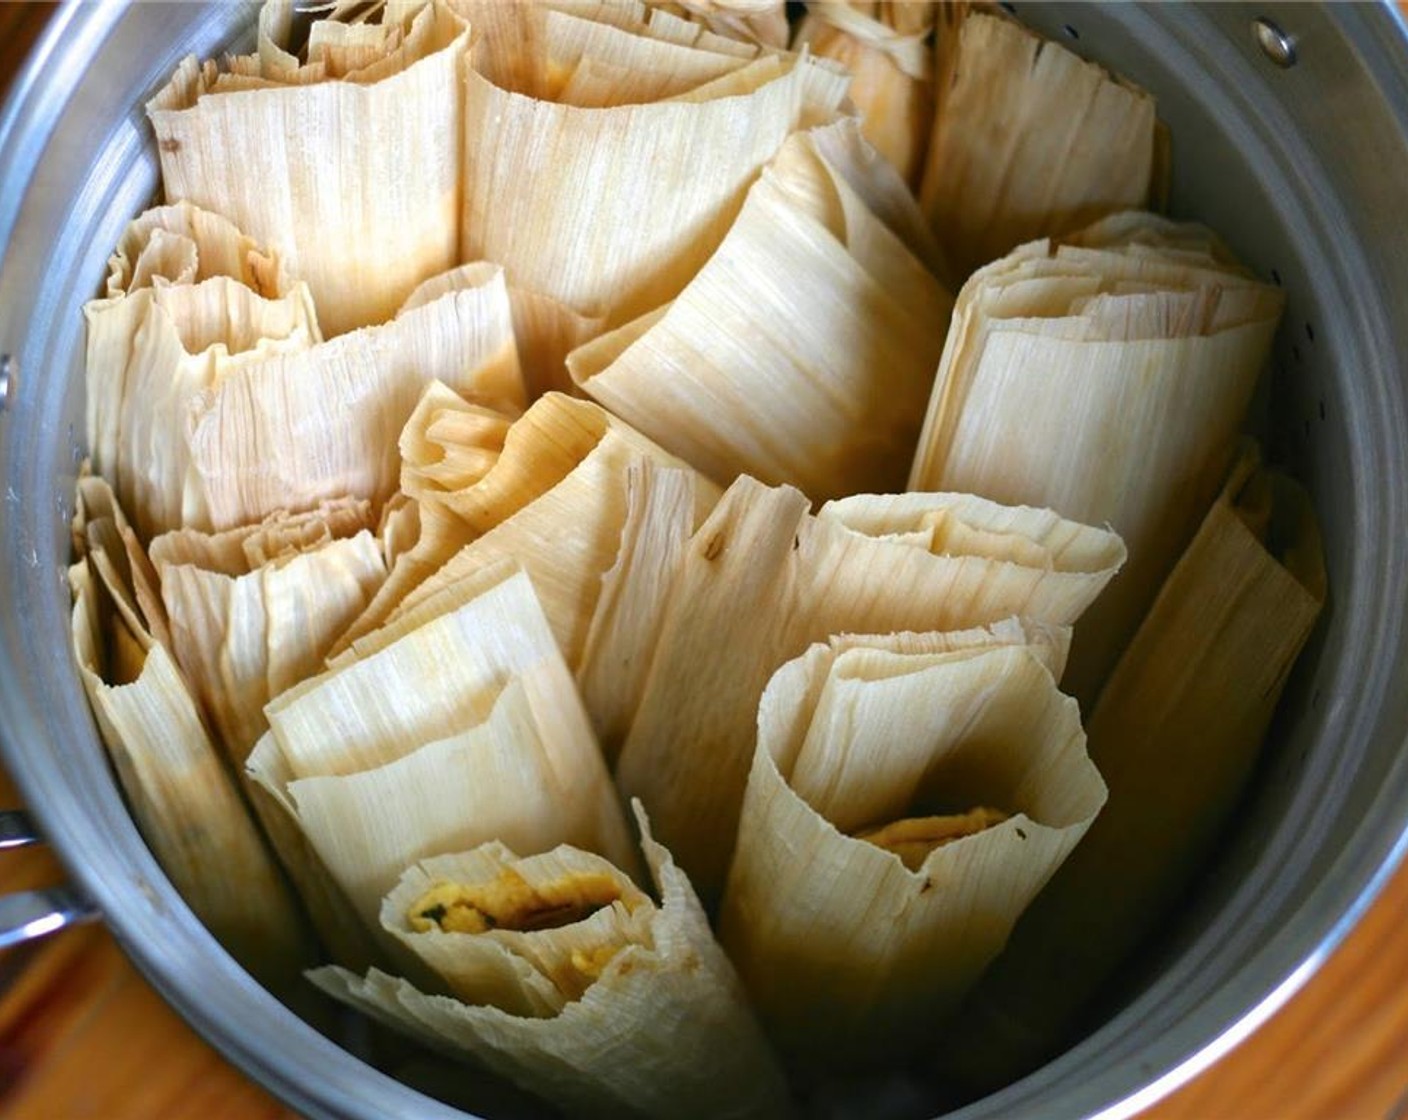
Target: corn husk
884	46
185	802
356	180
189	301
762	580
753	21
848	947
484	737
1176	735
255	610
802	352
599	228
662	1028
556	501
1029	141
299	429
1107	380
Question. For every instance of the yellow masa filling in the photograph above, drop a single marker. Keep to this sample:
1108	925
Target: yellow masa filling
510	902
913	838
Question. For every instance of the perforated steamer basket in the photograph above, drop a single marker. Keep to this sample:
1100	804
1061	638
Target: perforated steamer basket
1290	139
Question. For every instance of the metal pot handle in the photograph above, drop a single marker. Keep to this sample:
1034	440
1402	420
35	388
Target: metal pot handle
27	915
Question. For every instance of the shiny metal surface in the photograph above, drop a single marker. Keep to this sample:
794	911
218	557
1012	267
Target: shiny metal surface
28	915
7	379
1301	168
1279	47
16	829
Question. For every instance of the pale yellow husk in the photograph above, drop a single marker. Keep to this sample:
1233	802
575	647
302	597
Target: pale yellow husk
884	46
753	21
1176	735
847	952
762	580
802	352
459	726
1108	380
298	429
356	180
662	1031
1028	141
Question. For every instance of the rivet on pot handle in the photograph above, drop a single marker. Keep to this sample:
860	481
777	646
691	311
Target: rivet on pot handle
27	915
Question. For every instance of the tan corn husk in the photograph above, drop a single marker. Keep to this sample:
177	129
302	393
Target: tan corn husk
634	237
255	610
1176	734
662	1030
486	737
802	352
185	802
753	21
1029	141
298	429
884	46
1106	380
186	307
356	180
556	501
846	950
762	580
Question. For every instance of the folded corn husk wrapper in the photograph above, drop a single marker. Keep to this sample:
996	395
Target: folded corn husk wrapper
185	802
556	501
802	352
754	21
1107	380
190	300
630	1011
604	231
354	176
457	725
762	580
298	429
1029	141
849	945
1176	735
884	45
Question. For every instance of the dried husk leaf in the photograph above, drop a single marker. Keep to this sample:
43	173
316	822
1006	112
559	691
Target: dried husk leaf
1108	381
449	443
754	21
663	1031
320	167
603	231
763	579
802	352
846	950
298	429
1028	141
1176	734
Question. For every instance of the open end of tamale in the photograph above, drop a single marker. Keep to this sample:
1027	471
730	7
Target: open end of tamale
510	902
913	838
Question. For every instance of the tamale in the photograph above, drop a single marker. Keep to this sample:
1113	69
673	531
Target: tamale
762	580
355	177
1176	734
586	992
1106	379
802	352
851	933
1028	141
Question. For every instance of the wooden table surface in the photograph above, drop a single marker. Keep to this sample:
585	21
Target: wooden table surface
82	1035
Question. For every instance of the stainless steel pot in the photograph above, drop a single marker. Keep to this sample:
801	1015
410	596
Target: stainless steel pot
1290	127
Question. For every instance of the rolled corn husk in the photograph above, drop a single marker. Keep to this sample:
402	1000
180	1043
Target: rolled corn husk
186	804
603	231
802	352
762	580
754	21
190	300
354	176
907	800
298	429
1176	734
1107	380
884	45
632	1010
485	738
1029	141
556	501
255	610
